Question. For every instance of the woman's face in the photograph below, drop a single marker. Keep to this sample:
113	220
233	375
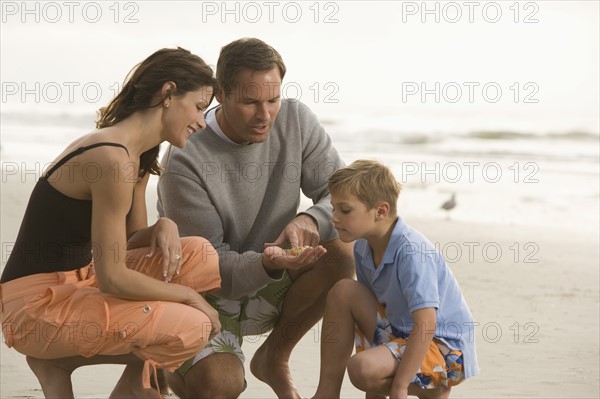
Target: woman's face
185	115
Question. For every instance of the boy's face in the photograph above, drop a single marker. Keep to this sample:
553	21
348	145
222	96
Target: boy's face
351	217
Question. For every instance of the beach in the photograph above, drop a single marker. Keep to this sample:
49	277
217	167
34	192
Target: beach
496	102
533	292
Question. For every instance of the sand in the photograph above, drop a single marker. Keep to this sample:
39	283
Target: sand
533	291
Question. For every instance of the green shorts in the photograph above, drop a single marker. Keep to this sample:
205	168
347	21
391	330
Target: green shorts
254	314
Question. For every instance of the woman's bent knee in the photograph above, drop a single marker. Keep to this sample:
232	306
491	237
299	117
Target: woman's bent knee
200	265
199	249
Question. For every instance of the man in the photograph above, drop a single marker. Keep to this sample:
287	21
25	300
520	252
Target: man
237	183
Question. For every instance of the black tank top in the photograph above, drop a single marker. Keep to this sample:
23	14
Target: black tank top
55	233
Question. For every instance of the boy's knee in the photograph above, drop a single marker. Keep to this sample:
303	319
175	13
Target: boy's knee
359	373
341	291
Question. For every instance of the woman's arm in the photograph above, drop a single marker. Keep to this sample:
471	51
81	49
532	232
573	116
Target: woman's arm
416	348
138	220
111	201
163	234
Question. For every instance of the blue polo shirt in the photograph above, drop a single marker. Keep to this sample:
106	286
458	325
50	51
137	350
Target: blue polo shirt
413	275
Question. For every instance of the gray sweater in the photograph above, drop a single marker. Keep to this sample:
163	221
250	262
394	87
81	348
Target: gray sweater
239	197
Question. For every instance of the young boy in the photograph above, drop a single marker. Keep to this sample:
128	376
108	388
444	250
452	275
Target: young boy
412	328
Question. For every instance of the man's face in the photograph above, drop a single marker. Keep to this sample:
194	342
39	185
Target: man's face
248	112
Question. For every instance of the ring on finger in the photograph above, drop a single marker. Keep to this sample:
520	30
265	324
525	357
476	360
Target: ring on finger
177	257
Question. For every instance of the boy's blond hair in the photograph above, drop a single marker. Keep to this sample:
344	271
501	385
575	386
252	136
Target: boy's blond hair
369	181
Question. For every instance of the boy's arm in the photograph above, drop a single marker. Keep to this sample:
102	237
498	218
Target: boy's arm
416	348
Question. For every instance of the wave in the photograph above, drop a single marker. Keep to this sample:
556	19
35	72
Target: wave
86	119
510	135
38	129
65	119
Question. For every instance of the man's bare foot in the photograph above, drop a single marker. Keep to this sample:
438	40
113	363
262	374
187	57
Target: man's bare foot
55	381
275	373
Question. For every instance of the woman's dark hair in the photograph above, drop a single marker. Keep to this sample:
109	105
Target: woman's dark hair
188	71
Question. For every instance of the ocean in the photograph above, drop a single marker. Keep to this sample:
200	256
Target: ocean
498	177
496	102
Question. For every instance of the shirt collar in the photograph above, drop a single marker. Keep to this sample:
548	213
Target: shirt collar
364	250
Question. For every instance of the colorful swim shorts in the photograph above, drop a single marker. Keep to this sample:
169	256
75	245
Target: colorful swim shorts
442	365
254	314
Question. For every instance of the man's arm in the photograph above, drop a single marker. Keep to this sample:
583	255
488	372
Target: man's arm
319	160
185	201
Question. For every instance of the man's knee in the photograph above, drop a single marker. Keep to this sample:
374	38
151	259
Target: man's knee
339	259
220	375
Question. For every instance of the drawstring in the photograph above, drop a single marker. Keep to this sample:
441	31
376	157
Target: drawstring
146	374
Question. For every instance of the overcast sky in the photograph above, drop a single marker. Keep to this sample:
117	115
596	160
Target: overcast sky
371	57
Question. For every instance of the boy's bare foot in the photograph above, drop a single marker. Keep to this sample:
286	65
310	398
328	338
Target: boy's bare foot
275	373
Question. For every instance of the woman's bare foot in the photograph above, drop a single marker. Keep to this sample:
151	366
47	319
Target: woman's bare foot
130	384
274	373
55	380
162	385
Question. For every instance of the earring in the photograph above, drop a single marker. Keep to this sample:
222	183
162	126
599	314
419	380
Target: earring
166	105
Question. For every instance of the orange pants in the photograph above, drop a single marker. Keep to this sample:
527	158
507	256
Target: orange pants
62	314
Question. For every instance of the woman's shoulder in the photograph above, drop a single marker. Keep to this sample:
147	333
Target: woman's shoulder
101	147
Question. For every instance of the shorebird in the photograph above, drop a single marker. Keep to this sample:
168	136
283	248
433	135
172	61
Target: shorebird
449	205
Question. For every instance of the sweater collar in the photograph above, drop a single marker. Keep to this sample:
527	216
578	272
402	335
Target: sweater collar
211	121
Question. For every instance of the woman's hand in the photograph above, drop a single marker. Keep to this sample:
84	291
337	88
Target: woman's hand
165	236
197	301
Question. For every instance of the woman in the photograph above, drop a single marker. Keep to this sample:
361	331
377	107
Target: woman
88	281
